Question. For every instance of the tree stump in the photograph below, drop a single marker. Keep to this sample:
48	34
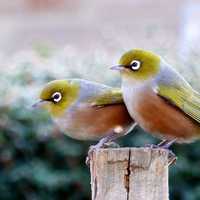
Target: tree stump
129	174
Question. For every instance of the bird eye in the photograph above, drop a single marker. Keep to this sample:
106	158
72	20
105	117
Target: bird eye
135	65
56	97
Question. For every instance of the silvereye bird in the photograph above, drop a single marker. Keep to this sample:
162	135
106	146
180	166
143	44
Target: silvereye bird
86	110
158	97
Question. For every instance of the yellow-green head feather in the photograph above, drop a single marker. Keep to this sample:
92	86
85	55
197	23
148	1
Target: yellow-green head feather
59	95
149	64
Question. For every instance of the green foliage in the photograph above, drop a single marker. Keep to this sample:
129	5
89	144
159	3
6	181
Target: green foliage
34	166
39	162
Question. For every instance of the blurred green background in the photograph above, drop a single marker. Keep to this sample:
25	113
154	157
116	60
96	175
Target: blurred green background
42	40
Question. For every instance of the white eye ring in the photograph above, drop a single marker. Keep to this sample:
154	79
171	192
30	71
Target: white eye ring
135	65
57	96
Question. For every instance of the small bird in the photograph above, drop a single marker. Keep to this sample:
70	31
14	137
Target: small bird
158	98
86	110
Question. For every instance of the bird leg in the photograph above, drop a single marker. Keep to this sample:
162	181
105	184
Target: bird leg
104	142
166	144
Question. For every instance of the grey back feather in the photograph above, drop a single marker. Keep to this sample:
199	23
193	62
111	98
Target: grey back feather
89	90
169	76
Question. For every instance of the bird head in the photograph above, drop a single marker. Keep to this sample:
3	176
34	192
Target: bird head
57	96
138	64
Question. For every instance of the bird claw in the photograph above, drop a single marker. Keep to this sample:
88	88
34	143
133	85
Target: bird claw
111	145
92	148
172	158
96	147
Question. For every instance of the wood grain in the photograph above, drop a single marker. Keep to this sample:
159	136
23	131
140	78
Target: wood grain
129	174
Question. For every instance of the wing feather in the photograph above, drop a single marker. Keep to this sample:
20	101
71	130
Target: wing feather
108	97
185	98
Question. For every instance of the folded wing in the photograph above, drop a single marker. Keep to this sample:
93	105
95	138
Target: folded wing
185	98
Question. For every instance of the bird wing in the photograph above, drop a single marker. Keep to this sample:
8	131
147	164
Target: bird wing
108	97
182	96
97	94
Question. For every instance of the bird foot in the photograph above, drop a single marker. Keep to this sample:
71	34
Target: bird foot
98	146
171	158
92	148
111	145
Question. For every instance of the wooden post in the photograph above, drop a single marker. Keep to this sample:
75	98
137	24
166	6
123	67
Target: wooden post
129	174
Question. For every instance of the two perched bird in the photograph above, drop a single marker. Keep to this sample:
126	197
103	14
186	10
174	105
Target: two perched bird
155	96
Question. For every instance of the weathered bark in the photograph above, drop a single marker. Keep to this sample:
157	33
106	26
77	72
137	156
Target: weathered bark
129	174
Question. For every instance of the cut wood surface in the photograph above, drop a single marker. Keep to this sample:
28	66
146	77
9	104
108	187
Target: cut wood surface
129	174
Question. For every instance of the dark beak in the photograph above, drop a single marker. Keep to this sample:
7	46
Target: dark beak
117	67
39	104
